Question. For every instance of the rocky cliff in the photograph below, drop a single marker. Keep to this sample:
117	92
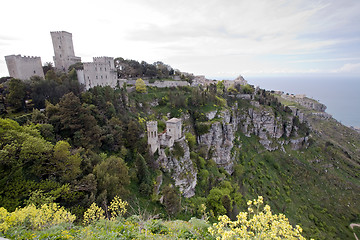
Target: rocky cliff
181	168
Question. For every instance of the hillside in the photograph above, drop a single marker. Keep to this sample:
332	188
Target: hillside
237	143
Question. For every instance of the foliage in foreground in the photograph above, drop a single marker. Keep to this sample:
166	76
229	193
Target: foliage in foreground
34	218
257	223
51	221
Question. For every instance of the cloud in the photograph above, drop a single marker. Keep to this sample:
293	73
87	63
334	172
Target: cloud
349	68
201	36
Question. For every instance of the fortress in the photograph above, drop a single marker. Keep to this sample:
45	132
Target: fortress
165	139
100	72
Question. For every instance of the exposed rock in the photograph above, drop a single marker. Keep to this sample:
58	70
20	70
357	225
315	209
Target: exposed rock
220	140
297	144
182	170
211	115
297	113
154	103
306	102
323	115
240	80
244	96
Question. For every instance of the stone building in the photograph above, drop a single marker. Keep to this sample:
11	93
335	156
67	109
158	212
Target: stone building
167	138
153	140
173	128
63	50
100	72
24	67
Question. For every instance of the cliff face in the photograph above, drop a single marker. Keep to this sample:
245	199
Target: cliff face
259	121
219	140
182	169
273	131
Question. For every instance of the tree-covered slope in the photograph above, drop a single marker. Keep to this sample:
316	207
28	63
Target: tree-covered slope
239	143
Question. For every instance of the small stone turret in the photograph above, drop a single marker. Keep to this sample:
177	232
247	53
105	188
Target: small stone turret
173	128
153	139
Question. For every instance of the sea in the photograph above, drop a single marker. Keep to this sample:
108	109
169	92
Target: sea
341	94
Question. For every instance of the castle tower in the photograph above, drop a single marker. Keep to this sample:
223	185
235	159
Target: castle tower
63	50
173	128
153	139
24	67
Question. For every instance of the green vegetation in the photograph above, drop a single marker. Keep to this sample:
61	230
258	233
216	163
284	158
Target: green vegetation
50	221
71	148
140	86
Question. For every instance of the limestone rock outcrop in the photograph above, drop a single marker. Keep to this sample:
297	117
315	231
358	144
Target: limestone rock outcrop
182	169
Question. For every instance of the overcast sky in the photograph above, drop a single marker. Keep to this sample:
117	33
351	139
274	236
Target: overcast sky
213	38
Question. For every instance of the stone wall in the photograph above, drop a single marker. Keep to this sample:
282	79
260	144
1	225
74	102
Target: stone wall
24	67
100	72
161	84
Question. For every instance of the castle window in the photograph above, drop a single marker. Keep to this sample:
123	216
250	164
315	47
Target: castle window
96	77
60	55
34	72
100	69
59	47
95	68
105	69
101	77
106	76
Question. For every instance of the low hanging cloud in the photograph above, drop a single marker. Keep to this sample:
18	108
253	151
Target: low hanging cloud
349	68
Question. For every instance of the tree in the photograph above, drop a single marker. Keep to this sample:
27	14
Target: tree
78	123
48	66
143	175
16	95
132	134
65	165
171	200
247	89
112	177
140	86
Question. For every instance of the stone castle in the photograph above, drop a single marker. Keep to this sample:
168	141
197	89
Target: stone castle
100	72
159	141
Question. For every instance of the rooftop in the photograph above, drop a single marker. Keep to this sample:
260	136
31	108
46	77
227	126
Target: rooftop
174	120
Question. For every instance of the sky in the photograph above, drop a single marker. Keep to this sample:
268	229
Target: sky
218	39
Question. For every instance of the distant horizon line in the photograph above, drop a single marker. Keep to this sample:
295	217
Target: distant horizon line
281	75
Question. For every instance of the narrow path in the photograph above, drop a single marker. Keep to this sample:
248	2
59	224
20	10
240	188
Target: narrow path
352	227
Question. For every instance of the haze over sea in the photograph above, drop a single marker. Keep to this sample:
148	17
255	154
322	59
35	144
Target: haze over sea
341	94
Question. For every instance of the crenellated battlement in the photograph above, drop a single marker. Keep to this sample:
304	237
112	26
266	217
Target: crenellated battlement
22	57
61	32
